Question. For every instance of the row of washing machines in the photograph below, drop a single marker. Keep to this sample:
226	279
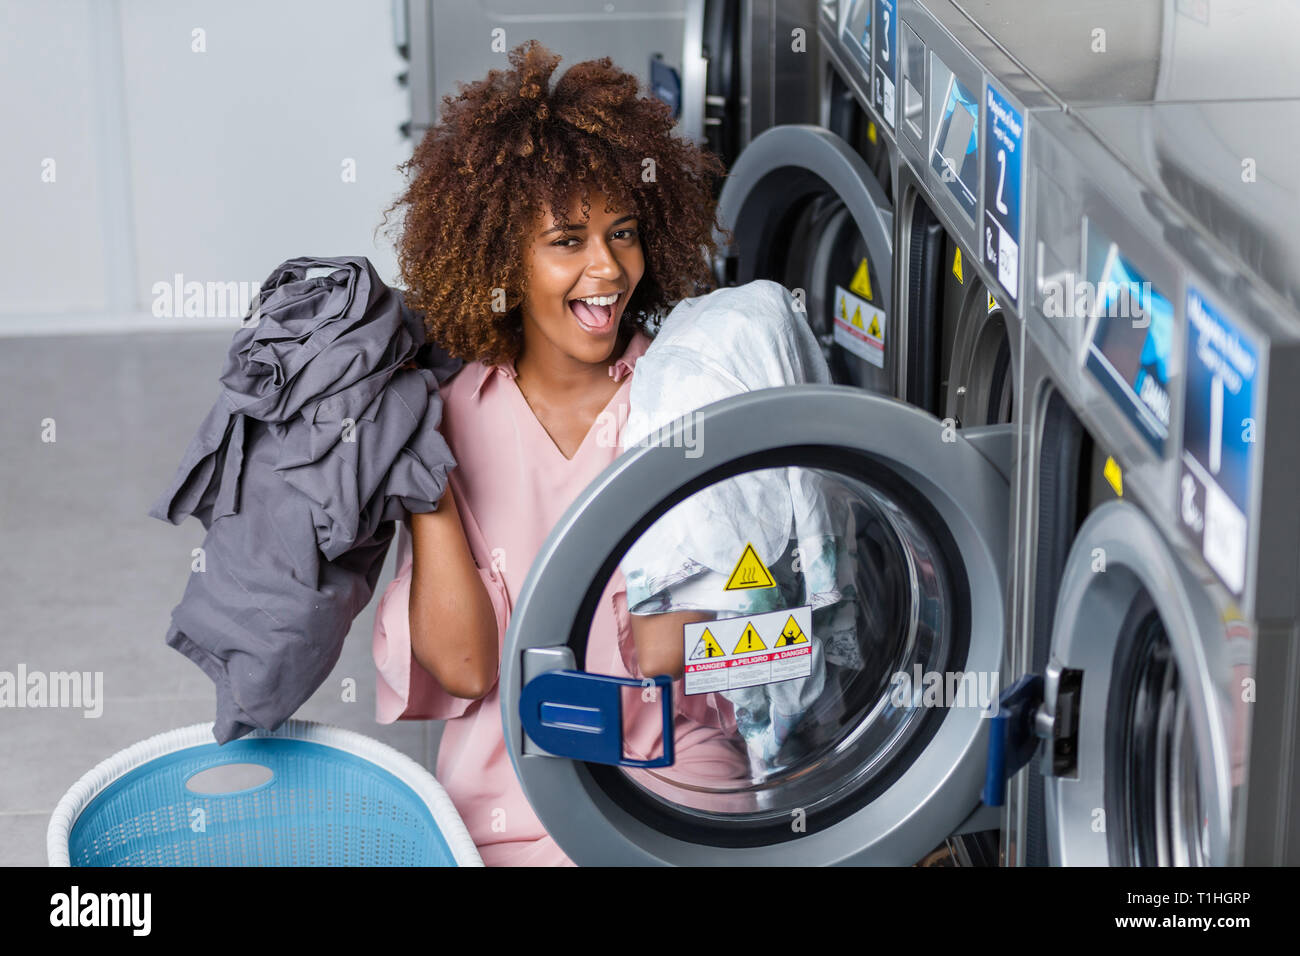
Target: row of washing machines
1052	259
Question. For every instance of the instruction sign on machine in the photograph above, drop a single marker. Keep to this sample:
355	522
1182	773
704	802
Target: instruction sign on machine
886	43
1219	437
1004	131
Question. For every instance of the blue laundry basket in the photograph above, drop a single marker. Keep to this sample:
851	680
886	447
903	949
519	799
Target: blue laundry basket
307	794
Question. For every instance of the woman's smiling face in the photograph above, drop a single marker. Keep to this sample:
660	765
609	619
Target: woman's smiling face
596	258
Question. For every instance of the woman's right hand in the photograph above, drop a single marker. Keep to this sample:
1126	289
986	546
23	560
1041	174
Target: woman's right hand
453	624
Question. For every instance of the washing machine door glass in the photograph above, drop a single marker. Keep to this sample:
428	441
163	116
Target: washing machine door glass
789	697
1153	768
817	574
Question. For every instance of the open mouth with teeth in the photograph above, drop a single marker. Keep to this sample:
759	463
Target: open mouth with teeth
596	313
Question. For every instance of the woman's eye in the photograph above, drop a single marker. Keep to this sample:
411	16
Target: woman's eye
561	243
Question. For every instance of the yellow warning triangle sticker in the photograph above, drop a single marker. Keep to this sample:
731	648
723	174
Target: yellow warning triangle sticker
857	316
749	641
1114	476
874	329
792	633
843	313
871	132
861	283
749	572
993	303
956	265
707	647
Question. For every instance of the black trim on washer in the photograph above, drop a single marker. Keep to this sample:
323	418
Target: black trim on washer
924	308
1059	461
849	121
722	80
999	383
1141	665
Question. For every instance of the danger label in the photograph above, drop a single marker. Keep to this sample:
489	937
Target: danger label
747	651
859	327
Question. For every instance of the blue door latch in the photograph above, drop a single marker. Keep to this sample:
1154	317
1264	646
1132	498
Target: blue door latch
1012	740
580	716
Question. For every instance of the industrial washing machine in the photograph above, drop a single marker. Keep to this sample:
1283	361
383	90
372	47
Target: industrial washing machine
924	518
926	508
808	203
1155	582
904	87
818	214
869	773
808	212
959	211
1112	527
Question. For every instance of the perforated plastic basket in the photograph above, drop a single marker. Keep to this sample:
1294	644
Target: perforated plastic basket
306	795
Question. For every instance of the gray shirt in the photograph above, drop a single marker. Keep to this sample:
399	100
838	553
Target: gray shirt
324	433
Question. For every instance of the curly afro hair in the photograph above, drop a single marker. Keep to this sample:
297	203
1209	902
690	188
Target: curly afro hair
508	144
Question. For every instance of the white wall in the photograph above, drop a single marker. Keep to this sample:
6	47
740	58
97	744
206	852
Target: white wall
217	165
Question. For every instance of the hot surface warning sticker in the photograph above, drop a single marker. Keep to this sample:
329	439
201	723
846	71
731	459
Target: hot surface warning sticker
749	572
744	651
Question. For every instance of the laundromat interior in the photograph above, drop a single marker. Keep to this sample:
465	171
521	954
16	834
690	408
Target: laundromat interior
989	557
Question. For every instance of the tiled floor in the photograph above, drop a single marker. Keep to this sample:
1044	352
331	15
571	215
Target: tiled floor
88	580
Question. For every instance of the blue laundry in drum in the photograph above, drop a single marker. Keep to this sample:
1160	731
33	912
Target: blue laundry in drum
324	434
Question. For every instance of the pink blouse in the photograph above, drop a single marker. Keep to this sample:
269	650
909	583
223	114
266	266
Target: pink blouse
512	484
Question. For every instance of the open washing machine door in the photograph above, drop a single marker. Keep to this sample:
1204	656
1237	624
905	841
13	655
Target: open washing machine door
808	212
1141	698
838	678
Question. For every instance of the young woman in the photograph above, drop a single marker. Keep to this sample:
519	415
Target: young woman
543	230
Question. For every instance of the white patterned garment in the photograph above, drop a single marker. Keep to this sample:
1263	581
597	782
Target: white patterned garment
711	347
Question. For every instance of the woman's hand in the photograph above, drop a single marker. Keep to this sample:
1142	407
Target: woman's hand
453	624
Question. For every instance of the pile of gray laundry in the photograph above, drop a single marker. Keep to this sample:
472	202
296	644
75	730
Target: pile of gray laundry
324	434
